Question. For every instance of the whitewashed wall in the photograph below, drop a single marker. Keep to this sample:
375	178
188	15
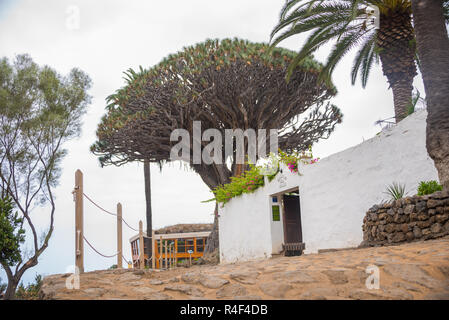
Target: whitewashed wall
335	194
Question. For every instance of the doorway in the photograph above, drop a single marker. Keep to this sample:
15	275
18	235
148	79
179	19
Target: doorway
293	242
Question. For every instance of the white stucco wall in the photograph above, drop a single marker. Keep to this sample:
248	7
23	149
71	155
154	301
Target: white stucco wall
335	194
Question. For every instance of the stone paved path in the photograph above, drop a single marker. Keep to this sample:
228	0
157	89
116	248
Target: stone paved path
417	270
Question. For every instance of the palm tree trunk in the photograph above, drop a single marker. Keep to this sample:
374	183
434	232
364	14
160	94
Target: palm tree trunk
149	214
395	41
433	50
402	95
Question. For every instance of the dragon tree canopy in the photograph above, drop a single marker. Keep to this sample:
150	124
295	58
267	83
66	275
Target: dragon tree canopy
225	84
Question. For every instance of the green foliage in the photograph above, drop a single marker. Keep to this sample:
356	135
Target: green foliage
11	232
114	266
416	97
395	191
247	182
39	111
213	54
428	187
2	287
253	178
31	291
341	21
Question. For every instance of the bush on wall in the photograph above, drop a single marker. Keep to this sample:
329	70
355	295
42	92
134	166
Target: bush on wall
253	178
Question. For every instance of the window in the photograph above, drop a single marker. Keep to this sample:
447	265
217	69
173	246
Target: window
276	214
275	208
189	245
200	244
181	245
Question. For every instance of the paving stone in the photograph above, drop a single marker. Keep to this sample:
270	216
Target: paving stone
275	289
245	277
336	276
231	290
294	277
185	288
412	273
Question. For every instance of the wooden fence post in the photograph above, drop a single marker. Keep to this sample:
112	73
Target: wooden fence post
161	252
141	246
165	246
119	237
79	232
153	256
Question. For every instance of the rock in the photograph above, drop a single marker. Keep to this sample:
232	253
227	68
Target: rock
412	273
186	289
436	228
398	237
336	276
407	286
409	209
372	216
94	292
126	277
441	217
191	277
417	232
144	290
156	282
319	294
212	282
437	296
431	203
231	290
139	272
409	236
246	277
248	297
379	294
421	206
157	296
293	277
207	281
50	290
275	289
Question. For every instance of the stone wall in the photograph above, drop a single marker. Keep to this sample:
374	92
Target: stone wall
406	220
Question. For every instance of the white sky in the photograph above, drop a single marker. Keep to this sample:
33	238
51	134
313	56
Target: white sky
115	35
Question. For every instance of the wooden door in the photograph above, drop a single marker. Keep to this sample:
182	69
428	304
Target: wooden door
292	219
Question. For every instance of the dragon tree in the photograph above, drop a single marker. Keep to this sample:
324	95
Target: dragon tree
225	84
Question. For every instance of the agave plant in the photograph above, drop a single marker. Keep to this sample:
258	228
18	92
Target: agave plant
395	191
349	24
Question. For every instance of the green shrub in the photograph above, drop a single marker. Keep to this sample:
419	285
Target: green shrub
428	187
30	292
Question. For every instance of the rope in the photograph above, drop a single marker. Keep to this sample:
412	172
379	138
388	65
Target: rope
108	212
111	256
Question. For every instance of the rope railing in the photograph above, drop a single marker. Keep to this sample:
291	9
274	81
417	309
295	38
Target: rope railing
78	196
108	212
104	255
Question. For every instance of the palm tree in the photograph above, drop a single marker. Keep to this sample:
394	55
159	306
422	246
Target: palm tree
349	22
433	49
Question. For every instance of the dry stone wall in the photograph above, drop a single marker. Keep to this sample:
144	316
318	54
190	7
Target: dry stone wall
406	220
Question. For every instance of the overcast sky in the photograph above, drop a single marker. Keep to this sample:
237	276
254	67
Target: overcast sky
114	35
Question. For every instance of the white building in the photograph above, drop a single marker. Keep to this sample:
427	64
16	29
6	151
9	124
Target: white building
323	208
